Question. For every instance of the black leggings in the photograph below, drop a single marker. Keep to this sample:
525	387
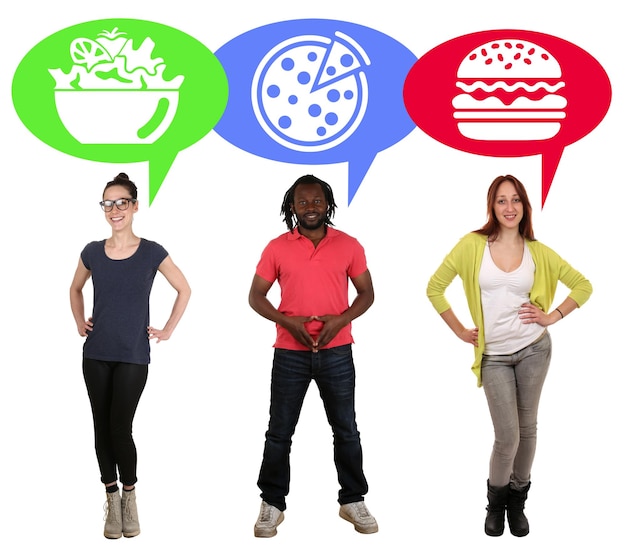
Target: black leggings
114	390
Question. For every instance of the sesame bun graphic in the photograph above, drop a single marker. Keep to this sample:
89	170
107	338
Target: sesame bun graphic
509	92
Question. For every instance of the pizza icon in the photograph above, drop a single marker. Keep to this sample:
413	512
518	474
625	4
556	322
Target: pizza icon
309	93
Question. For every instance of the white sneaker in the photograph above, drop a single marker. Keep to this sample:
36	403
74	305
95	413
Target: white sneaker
358	514
269	518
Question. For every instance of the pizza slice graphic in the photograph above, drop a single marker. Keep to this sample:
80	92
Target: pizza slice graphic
339	63
309	93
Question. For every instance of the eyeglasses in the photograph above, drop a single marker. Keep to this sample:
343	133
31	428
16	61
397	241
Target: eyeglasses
121	204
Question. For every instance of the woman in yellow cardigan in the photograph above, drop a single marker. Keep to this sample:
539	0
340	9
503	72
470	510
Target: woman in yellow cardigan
509	280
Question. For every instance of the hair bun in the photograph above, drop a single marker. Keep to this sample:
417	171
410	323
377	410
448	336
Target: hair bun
122	176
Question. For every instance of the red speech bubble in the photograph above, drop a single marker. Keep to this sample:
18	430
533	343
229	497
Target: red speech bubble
508	93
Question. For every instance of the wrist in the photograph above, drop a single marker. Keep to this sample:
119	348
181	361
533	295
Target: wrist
555	316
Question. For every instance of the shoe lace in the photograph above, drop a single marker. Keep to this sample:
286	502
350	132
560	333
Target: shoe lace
128	510
361	509
109	511
266	512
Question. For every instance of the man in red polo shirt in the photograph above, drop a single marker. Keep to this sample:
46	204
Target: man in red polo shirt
312	263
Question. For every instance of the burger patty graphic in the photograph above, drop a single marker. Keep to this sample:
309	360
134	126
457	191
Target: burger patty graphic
509	93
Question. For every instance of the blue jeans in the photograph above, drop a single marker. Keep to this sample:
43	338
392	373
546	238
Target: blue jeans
333	371
512	385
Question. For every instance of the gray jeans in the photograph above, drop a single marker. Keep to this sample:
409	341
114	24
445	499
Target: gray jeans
512	385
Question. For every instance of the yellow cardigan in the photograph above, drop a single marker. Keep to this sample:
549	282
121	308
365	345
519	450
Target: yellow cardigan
465	260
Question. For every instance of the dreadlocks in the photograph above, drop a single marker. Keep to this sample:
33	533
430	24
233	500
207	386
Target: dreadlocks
285	209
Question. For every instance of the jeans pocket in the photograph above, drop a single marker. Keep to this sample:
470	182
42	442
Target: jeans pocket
543	343
343	351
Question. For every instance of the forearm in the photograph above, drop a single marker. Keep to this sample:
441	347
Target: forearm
566	307
359	306
77	304
453	322
178	309
262	306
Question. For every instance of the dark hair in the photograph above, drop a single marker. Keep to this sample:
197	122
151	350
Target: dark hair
122	180
285	209
492	226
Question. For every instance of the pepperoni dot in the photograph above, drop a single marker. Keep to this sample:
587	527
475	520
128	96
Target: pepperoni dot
500	57
508	45
293	100
304	78
519	46
284	122
527	61
544	56
348	94
273	91
312	56
495	45
333	95
508	66
531	51
315	110
483	52
331	71
473	57
347	60
517	55
331	118
489	61
287	64
321	131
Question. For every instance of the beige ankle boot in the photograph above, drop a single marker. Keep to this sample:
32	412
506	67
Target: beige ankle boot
130	519
113	522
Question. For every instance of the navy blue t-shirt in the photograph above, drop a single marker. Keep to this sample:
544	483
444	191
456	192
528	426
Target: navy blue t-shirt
121	295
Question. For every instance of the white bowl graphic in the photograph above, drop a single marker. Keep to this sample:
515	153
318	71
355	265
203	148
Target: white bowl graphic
116	116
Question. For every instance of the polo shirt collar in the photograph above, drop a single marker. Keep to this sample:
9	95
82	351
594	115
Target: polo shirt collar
292	236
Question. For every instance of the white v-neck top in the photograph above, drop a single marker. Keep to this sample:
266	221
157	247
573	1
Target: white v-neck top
502	293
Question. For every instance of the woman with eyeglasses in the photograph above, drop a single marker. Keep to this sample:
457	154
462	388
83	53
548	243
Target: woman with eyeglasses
116	351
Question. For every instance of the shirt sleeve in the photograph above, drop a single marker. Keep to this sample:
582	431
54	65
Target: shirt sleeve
441	279
266	268
359	261
557	270
579	286
159	254
85	255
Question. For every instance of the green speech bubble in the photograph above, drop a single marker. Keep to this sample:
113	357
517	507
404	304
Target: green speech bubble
121	90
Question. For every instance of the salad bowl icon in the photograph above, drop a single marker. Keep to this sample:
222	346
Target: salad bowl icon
114	93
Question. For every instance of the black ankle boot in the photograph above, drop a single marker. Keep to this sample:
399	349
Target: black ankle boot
518	523
498	497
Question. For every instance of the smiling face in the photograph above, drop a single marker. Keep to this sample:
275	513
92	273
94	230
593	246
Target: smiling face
309	206
119	219
508	207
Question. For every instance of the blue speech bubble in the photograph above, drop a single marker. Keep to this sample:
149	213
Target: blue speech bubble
316	91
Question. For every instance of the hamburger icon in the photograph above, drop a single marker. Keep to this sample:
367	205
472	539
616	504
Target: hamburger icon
509	92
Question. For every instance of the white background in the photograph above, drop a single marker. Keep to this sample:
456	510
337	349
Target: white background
200	425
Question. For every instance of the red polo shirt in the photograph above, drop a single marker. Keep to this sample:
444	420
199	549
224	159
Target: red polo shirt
313	280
